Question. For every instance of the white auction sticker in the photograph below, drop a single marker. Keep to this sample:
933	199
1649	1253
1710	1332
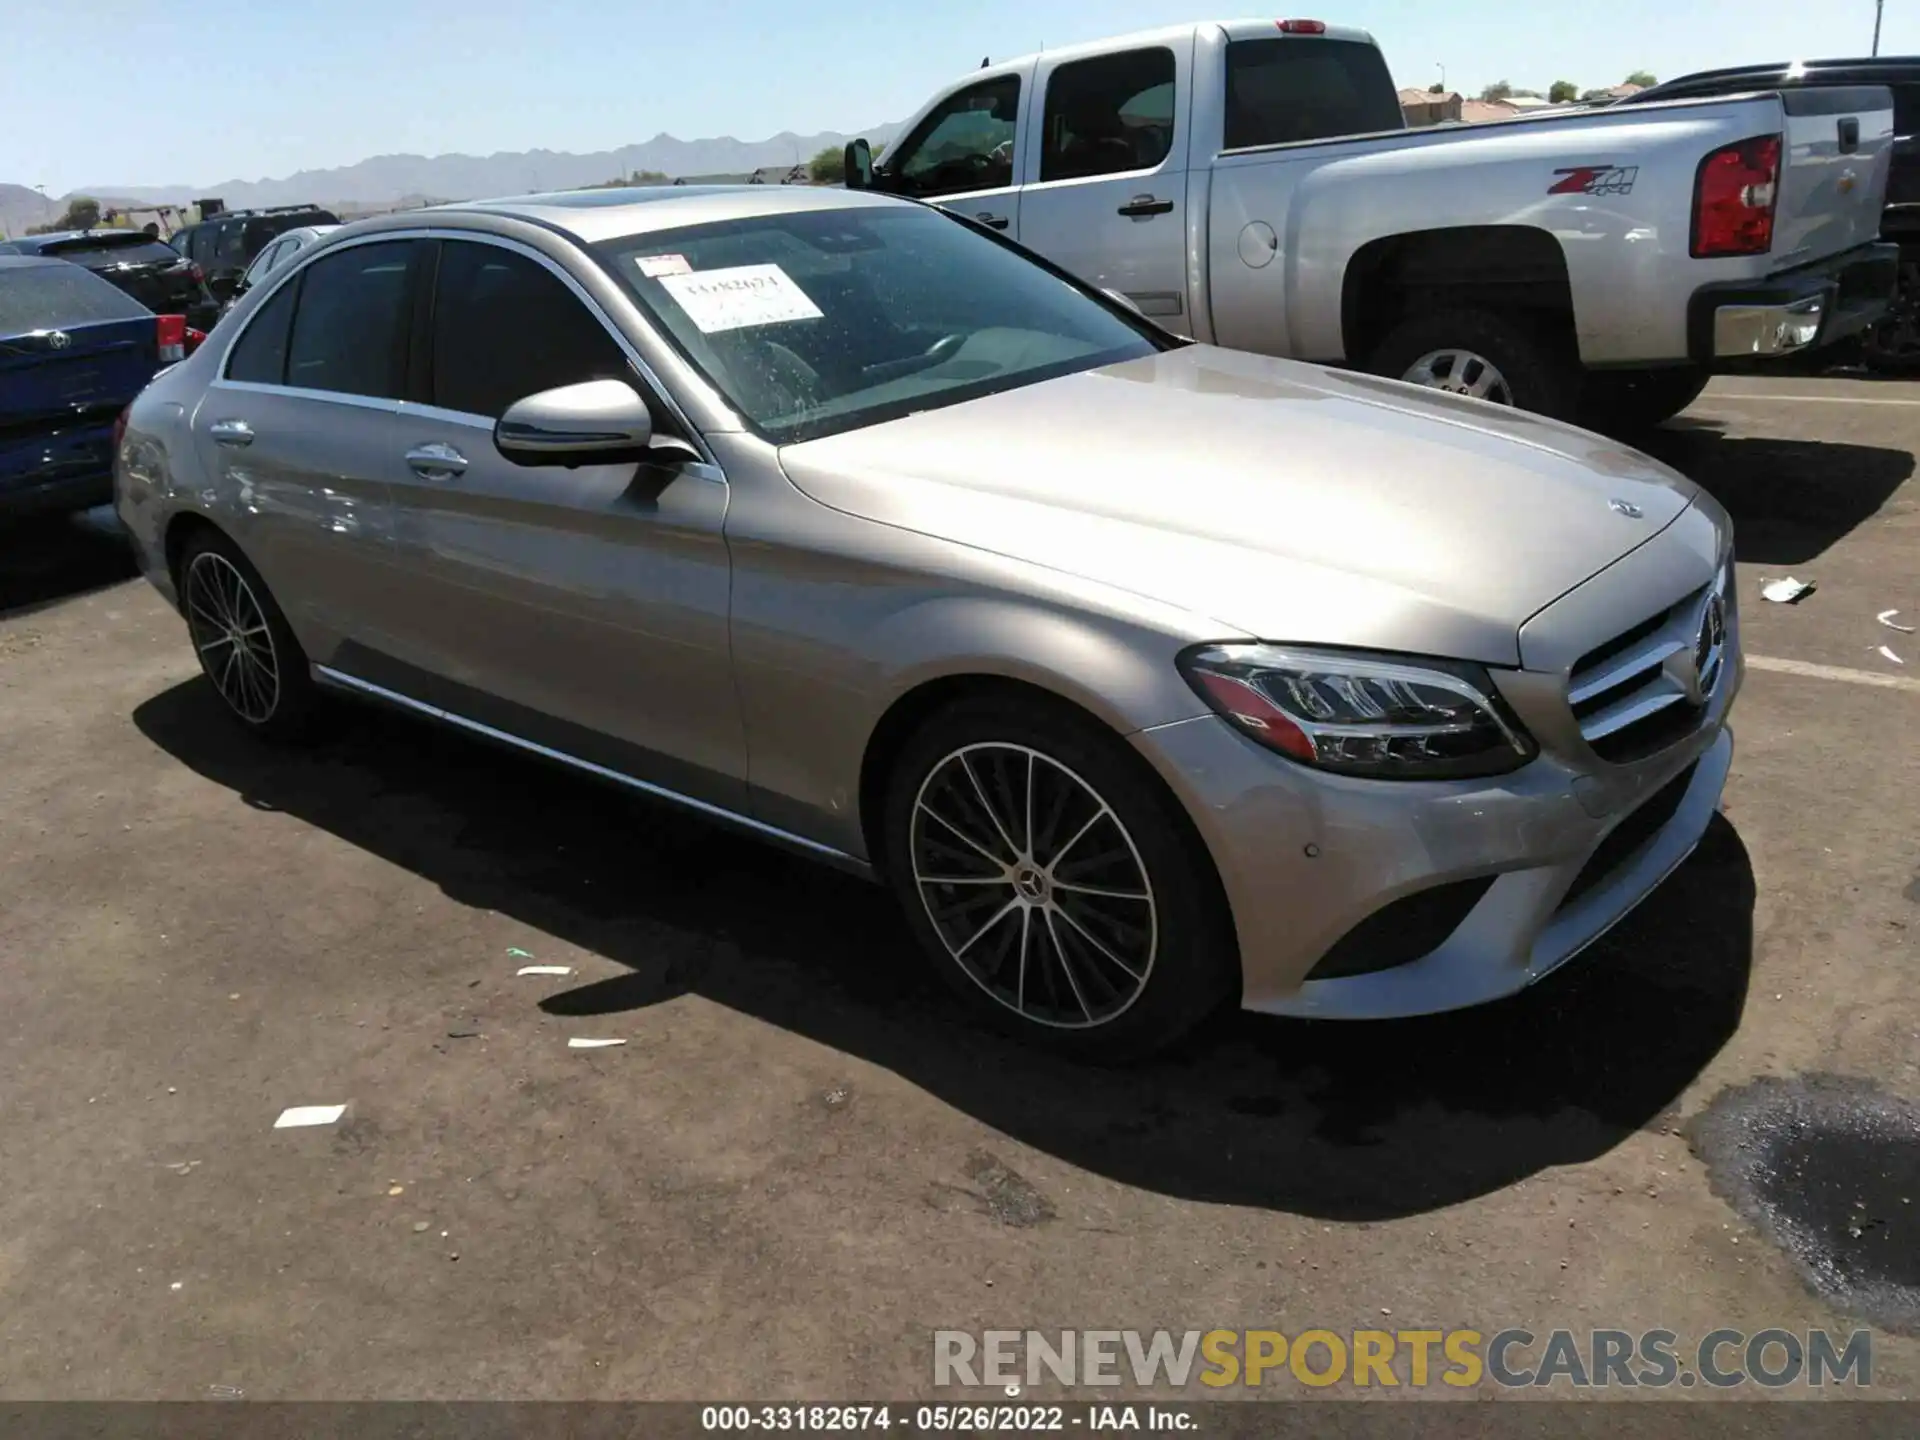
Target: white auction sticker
742	296
654	266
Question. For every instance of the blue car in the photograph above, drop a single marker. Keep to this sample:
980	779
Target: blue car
74	351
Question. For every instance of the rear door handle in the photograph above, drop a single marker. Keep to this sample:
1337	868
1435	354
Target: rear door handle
436	460
1144	205
231	432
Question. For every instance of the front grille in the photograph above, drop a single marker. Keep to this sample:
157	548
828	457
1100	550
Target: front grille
1402	931
1649	686
1630	834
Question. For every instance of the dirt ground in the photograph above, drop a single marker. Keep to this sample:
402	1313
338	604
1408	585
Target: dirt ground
803	1160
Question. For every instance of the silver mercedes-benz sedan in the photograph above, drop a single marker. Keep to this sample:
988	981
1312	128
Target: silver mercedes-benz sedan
1148	675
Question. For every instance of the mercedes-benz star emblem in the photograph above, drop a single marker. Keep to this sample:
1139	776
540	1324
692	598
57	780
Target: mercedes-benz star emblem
58	340
1626	508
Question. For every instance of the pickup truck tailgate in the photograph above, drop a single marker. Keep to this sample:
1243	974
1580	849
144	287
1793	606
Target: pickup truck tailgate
1839	145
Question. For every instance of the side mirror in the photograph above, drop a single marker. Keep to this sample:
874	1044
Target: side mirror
224	285
857	163
1124	301
597	422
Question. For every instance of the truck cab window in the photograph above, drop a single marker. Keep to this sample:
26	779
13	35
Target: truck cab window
1108	115
965	144
1284	91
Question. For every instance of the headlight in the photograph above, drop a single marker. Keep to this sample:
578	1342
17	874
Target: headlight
1382	717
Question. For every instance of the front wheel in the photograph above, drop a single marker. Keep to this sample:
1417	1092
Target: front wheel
1055	883
1504	358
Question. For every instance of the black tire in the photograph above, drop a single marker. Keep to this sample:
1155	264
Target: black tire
1541	370
1629	401
1087	1001
267	686
1891	346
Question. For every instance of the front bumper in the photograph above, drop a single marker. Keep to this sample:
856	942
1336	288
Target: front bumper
1794	311
1526	870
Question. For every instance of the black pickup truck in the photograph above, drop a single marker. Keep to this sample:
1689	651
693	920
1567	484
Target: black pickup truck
1892	345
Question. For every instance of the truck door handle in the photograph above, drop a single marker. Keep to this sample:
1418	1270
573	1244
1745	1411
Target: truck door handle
231	432
436	461
1143	205
1849	135
992	222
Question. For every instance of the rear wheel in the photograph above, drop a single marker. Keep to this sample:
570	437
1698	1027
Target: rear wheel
1891	346
1058	887
1502	357
1623	402
245	645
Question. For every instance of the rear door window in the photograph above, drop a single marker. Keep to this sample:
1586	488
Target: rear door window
1108	115
260	354
350	329
505	327
1283	91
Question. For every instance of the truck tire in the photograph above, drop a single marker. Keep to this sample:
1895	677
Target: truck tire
1502	357
1624	402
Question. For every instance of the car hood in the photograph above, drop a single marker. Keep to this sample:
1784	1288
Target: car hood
1286	501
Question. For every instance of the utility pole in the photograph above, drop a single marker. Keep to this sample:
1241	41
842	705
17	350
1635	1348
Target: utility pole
1443	77
1878	6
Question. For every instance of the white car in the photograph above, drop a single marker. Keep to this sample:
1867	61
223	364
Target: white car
283	249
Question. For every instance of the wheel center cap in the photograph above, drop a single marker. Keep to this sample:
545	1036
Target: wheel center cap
1031	884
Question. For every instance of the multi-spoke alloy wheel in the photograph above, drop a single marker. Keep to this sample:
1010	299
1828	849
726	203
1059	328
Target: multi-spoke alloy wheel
230	632
1034	885
1461	372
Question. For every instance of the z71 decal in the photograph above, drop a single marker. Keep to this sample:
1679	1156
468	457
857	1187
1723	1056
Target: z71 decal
1595	180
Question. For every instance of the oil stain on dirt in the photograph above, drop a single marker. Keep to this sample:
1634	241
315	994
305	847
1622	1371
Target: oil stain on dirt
1829	1169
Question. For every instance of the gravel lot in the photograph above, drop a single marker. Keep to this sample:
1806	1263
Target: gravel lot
803	1160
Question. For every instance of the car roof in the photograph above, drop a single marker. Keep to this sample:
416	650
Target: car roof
33	262
61	237
1790	70
591	216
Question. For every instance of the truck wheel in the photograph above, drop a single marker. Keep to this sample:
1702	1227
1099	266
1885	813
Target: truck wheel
1626	401
1502	358
1891	346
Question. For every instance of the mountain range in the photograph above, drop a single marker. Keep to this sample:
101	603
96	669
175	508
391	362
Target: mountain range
388	179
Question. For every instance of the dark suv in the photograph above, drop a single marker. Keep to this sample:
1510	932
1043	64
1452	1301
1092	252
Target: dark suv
224	245
1894	343
149	270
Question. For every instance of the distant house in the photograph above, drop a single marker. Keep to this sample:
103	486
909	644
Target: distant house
1422	107
1473	112
1524	103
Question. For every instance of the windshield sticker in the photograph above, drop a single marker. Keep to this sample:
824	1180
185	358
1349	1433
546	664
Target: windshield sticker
654	266
739	297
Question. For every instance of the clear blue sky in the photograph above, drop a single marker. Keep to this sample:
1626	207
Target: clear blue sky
154	92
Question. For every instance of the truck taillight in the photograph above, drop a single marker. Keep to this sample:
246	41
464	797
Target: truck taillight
1302	27
173	338
1733	198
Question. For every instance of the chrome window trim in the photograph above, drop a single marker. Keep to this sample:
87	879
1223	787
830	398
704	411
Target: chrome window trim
296	265
328	675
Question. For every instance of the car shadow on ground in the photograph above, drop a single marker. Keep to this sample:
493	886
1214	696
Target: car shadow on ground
1337	1121
1790	500
45	561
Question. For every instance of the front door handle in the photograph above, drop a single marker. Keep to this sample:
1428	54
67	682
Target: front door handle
231	432
436	460
992	222
1142	206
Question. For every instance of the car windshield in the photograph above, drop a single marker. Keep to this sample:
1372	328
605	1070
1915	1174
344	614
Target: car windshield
47	297
824	321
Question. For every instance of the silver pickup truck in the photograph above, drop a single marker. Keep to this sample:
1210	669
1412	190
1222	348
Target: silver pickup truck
1251	183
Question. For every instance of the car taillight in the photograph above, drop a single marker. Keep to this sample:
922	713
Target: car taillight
1733	198
1302	27
173	338
194	339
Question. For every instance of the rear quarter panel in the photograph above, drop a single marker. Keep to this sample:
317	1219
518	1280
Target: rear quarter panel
1613	188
